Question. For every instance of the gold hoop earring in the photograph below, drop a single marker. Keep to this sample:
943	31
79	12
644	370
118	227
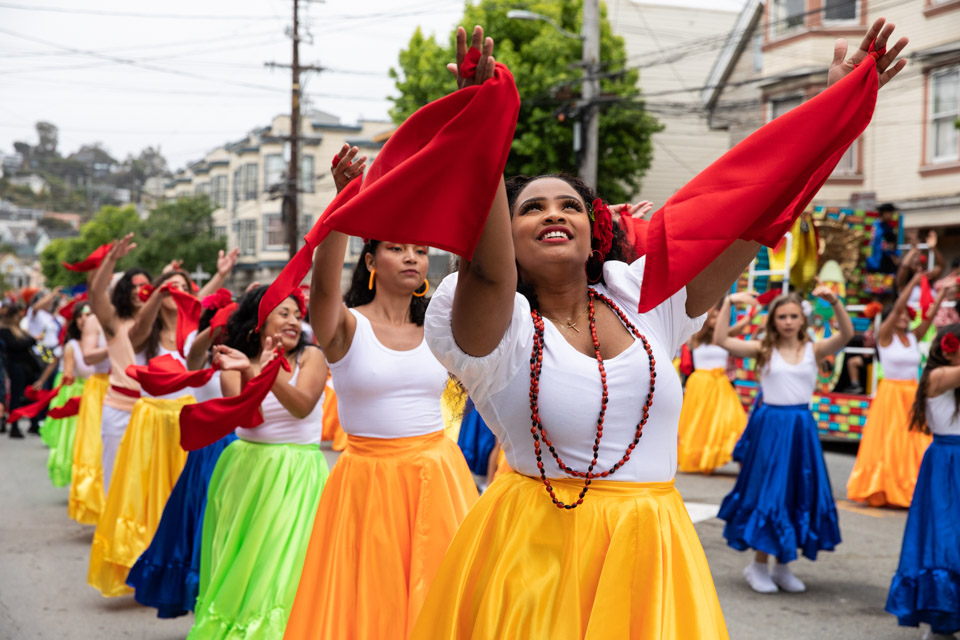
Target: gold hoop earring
426	287
370	283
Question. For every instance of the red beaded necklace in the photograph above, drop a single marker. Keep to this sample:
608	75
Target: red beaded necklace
537	430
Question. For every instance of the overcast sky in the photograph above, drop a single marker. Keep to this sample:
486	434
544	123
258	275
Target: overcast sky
188	75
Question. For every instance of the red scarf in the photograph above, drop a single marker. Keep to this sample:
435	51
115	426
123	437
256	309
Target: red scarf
165	374
219	319
69	409
926	297
188	315
206	422
756	190
433	182
41	399
92	261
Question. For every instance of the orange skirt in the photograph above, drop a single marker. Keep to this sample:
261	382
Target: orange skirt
332	431
387	513
711	421
889	457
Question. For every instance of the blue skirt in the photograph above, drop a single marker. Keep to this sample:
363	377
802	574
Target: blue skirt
782	500
926	587
167	574
476	441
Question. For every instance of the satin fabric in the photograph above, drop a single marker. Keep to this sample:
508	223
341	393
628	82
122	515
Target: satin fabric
711	421
165	374
86	475
59	434
92	261
167	574
926	587
389	511
627	563
889	456
782	500
475	440
261	505
148	463
332	431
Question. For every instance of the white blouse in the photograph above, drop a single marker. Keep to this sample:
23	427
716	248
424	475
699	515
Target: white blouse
710	356
942	415
80	367
900	362
785	384
282	427
570	388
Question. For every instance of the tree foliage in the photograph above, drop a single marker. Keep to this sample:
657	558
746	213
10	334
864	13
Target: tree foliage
181	230
546	67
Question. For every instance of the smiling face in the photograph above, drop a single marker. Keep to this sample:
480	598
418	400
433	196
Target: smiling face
284	320
550	225
399	267
788	319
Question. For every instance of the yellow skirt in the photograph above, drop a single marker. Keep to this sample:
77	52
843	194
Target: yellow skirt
149	461
387	513
627	563
889	457
86	477
711	421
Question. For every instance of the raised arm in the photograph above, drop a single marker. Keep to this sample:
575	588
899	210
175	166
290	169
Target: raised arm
143	325
721	332
885	335
90	347
943	379
225	263
198	349
69	367
301	397
927	318
844	333
99	283
332	323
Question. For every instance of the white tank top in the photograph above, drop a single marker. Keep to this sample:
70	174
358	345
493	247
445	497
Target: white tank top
80	368
383	393
941	414
710	356
786	384
211	389
282	427
900	362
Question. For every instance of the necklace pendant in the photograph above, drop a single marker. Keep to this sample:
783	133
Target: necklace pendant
573	325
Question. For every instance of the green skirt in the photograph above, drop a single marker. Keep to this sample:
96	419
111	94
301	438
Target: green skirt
261	504
58	434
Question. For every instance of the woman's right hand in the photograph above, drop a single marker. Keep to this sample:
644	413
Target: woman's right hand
485	65
229	359
746	298
345	169
121	247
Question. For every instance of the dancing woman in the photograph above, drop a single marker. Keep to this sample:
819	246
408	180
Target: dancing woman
401	488
890	453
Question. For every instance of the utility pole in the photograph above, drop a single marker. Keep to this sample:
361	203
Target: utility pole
591	90
291	197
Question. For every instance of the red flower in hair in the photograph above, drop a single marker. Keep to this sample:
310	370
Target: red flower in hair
872	310
949	344
217	300
602	231
145	292
912	312
301	301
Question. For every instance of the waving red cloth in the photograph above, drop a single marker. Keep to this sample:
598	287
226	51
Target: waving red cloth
68	409
926	296
686	360
220	318
165	374
756	190
41	401
432	183
92	261
188	315
206	422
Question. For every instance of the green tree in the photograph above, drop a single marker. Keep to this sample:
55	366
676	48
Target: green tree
545	66
107	224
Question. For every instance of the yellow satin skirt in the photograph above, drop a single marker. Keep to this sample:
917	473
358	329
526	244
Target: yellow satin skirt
86	476
627	563
711	421
889	457
387	513
149	461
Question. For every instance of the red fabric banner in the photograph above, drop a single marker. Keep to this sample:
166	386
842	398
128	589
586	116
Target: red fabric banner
432	183
188	315
206	422
92	261
165	374
41	399
70	408
686	360
926	296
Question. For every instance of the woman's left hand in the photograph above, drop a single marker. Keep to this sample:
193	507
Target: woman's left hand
879	32
229	359
269	349
348	166
485	65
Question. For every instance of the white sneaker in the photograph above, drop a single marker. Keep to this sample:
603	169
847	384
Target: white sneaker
758	577
784	578
930	635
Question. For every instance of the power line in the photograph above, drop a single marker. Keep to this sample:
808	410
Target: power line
131	14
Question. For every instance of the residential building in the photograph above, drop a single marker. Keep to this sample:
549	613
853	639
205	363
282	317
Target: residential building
16	274
36	183
776	57
670	76
73	219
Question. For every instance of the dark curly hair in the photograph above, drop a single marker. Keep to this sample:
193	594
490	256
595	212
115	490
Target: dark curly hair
360	293
241	328
73	327
621	249
122	296
936	359
153	342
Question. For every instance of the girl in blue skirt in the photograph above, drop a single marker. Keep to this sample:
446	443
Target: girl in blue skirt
926	587
782	500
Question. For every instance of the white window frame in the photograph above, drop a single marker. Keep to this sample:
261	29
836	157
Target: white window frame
219	190
247	237
948	116
250	171
854	20
308	178
273	174
775	29
269	220
772	102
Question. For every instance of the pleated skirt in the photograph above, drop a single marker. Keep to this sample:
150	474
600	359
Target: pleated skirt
711	421
148	463
390	509
86	475
926	587
167	575
782	500
627	563
261	504
889	456
60	433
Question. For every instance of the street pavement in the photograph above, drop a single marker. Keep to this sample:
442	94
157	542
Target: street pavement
43	565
